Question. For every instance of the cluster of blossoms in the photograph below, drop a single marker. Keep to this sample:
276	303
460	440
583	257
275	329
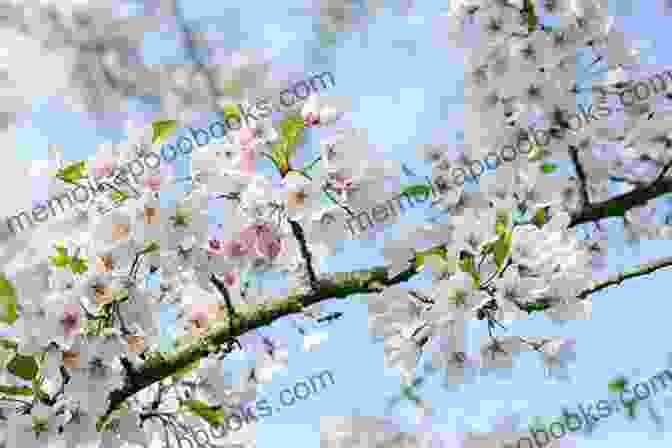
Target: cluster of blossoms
512	248
86	324
85	320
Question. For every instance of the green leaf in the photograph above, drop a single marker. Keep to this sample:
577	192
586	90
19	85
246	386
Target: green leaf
502	249
120	294
8	343
467	265
503	220
231	110
23	366
417	190
214	415
15	390
73	172
152	246
79	265
291	132
540	217
631	408
60	261
421	257
532	19
162	129
548	167
60	249
618	384
7	300
182	217
532	307
119	196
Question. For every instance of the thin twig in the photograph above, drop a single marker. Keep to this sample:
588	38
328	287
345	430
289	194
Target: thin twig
305	253
225	293
667	166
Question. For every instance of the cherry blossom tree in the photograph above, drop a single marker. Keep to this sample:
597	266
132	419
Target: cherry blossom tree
85	365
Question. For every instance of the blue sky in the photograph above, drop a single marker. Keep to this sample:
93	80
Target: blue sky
406	89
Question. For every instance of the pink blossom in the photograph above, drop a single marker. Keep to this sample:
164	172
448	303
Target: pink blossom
253	232
342	184
103	168
231	279
311	120
199	312
233	248
71	319
268	246
153	183
246	136
248	160
215	247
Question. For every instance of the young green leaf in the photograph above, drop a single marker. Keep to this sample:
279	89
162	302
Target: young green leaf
292	129
188	368
24	367
421	257
120	294
162	129
214	415
79	265
232	111
60	261
532	19
618	384
503	220
152	246
7	300
15	390
631	408
541	216
532	307
119	196
548	167
467	265
416	190
502	249
73	172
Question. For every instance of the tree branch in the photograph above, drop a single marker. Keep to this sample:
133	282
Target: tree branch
638	271
581	174
618	205
337	285
305	253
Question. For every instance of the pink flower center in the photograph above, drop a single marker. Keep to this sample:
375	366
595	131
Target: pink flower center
70	320
103	168
311	120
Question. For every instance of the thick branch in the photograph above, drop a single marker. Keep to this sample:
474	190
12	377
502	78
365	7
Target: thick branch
338	285
618	205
